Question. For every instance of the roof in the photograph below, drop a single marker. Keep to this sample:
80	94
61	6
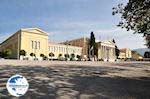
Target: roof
124	49
76	39
106	42
39	31
53	43
34	30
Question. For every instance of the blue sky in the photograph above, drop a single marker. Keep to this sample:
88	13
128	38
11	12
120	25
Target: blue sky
66	19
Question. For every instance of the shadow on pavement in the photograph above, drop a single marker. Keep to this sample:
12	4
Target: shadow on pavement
70	82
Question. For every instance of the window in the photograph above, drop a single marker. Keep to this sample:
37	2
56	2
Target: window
35	45
54	48
49	48
38	45
32	44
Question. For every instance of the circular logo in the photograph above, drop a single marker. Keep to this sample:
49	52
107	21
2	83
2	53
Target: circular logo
17	85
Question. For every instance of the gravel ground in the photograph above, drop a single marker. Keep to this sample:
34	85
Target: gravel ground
78	80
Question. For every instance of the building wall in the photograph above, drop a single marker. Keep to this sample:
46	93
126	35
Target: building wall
125	53
12	44
57	49
34	41
81	42
122	55
106	51
22	40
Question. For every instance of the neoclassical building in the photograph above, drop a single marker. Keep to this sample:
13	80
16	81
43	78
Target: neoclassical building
61	50
106	51
34	40
35	43
80	42
125	53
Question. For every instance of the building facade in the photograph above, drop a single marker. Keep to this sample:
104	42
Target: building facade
35	41
31	40
60	50
80	42
106	51
125	53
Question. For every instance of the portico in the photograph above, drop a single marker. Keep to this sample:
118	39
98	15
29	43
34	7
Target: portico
106	51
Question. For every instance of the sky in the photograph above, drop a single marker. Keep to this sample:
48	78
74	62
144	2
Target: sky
66	20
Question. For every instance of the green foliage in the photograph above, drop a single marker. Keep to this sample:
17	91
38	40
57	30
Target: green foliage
72	55
32	54
147	54
42	55
66	55
1	54
79	57
60	55
93	45
23	52
147	38
135	15
6	53
117	51
51	54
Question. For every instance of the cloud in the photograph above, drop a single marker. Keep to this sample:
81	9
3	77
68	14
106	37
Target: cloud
124	39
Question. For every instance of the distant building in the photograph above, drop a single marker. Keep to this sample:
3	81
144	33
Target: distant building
136	56
125	53
80	42
61	49
106	51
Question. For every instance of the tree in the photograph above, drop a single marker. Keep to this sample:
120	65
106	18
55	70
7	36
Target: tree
6	53
117	51
72	56
147	38
23	52
42	55
51	54
32	54
93	45
66	56
2	54
79	57
60	57
147	54
135	15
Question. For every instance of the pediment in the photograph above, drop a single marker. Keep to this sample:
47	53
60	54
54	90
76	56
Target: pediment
35	30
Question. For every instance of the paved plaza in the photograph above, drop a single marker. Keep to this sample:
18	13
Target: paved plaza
78	80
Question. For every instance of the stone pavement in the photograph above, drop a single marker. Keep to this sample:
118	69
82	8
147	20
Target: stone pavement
78	80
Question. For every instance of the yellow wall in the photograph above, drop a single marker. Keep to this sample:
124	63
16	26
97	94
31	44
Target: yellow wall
34	35
12	44
21	40
57	49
